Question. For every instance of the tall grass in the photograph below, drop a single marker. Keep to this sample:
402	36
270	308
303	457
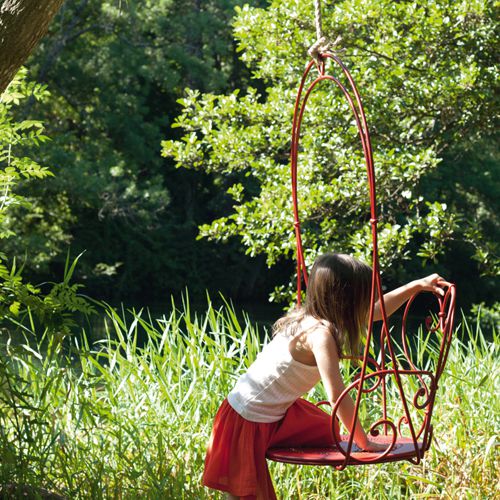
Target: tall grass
130	415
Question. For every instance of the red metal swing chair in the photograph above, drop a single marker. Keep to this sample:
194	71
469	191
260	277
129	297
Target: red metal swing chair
407	431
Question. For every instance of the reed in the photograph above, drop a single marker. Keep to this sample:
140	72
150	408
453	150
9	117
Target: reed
129	415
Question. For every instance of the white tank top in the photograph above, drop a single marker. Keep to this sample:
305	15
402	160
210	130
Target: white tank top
272	383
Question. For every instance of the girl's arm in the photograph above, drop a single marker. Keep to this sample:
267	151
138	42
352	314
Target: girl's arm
325	352
395	299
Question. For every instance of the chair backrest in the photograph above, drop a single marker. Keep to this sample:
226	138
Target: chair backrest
393	373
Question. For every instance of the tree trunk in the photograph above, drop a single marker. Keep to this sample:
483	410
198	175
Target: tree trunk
22	24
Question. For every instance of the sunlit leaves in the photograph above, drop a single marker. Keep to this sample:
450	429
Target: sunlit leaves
426	73
14	136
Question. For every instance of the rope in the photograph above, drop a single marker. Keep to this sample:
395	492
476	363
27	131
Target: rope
317	18
322	44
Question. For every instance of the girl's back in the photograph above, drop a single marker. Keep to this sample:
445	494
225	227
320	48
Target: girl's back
282	372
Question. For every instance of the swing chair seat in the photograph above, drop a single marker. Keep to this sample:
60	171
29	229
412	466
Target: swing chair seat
404	449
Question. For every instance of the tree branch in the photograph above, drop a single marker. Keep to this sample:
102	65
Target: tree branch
22	24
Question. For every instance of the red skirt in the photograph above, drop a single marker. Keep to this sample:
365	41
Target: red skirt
236	456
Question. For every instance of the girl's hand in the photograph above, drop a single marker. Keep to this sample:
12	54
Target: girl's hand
395	299
432	283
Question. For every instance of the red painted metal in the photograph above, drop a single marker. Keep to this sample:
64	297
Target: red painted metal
407	434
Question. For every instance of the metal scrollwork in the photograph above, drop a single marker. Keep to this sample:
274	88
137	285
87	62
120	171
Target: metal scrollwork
378	379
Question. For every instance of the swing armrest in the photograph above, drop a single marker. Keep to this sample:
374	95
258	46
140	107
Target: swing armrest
335	419
324	402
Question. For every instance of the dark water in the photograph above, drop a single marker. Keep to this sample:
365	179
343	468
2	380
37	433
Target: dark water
261	314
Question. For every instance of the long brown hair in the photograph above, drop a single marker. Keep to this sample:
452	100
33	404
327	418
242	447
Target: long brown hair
338	294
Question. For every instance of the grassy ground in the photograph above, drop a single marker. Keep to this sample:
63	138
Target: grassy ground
114	420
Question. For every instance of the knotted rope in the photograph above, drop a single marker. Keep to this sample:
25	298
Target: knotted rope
322	44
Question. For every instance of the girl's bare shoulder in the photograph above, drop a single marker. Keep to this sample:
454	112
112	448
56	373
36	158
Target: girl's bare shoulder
317	331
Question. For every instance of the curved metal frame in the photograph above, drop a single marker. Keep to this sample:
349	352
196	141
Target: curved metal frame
427	389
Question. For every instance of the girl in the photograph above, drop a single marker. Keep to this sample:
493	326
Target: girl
265	410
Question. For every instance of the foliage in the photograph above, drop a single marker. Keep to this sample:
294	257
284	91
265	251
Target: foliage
54	308
14	136
487	317
427	76
50	305
130	415
473	193
115	70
